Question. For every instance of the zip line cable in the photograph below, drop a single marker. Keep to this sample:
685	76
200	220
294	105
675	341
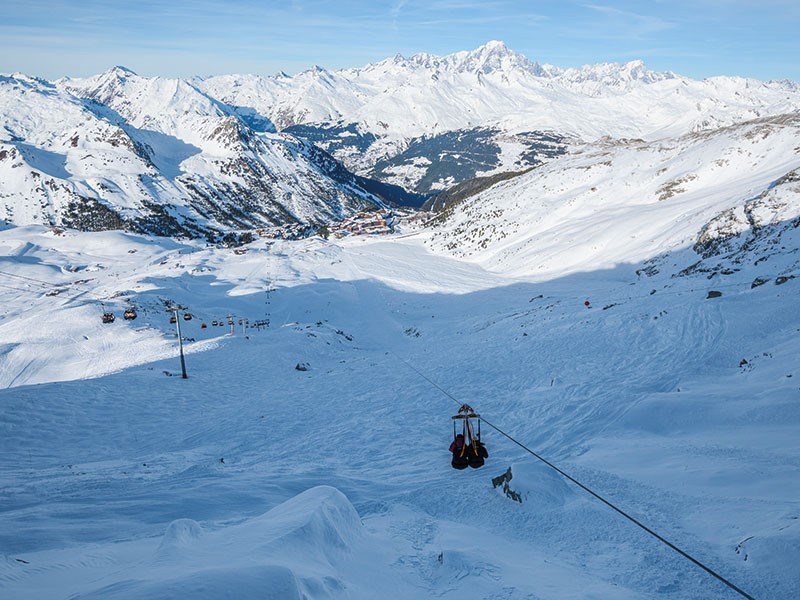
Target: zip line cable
566	475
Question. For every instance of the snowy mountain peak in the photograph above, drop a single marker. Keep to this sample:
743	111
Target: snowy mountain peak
107	79
121	72
615	75
636	70
319	71
317	74
494	56
25	80
495	46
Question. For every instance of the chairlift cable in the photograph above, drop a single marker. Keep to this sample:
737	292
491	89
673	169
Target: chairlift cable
20	289
40	282
50	284
566	475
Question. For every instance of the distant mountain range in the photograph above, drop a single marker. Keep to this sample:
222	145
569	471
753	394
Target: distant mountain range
207	157
428	122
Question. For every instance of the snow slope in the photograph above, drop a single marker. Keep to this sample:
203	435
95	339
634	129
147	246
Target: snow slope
626	202
155	155
254	479
628	311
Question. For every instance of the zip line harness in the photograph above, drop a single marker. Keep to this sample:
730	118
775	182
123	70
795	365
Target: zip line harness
472	439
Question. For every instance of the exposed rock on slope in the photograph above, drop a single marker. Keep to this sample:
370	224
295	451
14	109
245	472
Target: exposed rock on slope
157	156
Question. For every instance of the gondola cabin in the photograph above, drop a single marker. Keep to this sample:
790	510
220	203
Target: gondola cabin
108	317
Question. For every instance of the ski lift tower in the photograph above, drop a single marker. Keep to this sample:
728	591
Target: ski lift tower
174	310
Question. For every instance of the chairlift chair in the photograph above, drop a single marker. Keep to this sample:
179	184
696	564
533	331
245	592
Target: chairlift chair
108	317
130	314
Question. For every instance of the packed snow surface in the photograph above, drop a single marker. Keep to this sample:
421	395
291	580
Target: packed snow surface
253	478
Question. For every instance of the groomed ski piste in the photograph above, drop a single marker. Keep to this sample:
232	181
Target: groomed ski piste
255	479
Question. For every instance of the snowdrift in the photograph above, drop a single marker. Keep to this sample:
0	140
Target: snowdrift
290	552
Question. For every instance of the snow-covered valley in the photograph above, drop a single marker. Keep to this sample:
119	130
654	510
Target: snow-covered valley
254	479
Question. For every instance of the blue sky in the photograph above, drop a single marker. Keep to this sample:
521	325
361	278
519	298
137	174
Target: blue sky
698	38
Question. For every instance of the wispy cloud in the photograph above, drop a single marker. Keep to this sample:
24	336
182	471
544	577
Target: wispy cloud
448	5
634	24
395	11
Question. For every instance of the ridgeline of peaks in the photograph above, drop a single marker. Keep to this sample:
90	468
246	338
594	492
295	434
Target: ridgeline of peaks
206	155
487	111
492	56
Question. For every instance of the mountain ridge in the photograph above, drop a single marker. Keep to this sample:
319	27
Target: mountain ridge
157	155
233	151
399	101
730	192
